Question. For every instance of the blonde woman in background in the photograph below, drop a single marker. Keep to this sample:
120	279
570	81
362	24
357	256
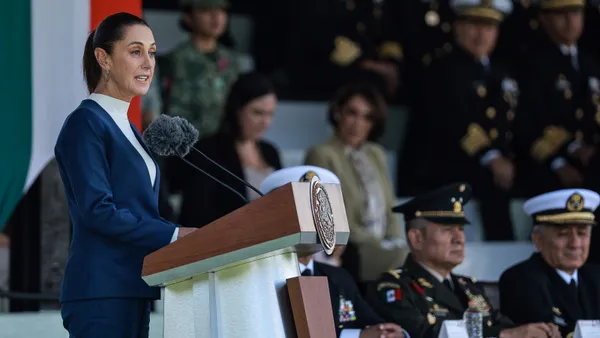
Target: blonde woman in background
357	114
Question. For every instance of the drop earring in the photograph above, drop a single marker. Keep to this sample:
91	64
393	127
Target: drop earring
107	75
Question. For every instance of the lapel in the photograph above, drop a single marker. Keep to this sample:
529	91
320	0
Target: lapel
141	140
434	290
560	290
91	103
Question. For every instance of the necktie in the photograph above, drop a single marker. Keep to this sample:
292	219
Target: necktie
447	283
573	289
307	273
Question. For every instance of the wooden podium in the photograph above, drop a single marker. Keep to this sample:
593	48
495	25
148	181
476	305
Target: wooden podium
238	276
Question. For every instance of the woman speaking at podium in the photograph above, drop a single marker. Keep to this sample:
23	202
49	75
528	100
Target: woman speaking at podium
111	184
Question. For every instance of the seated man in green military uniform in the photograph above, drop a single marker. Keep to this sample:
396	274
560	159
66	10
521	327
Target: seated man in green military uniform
352	315
556	284
425	292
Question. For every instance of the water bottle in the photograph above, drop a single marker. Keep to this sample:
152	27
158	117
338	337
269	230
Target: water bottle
474	321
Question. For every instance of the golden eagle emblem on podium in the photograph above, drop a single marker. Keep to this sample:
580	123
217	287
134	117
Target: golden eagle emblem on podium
322	213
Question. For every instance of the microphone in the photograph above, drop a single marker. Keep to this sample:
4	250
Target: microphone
175	136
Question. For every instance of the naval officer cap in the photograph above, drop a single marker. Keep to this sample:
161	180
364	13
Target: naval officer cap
483	10
302	173
203	4
442	206
563	207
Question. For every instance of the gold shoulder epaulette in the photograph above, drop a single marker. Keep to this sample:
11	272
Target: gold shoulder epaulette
395	273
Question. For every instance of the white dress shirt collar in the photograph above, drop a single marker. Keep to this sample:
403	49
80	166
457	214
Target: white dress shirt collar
568	50
310	266
567	278
436	274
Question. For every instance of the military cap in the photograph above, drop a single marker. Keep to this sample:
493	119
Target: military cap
567	206
492	10
302	173
558	5
443	206
203	3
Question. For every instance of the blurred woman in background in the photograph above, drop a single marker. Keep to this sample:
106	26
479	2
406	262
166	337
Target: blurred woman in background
357	114
237	146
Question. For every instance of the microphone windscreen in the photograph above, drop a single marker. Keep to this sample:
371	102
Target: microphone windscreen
189	136
164	136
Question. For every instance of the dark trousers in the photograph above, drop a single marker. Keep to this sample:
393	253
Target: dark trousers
110	317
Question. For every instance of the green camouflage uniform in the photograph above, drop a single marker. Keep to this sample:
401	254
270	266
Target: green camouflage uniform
201	82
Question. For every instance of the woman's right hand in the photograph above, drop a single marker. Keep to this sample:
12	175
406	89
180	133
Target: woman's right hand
183	231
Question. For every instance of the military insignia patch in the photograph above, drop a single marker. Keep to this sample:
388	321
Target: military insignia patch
431	318
417	287
439	311
457	207
479	302
387	285
395	273
346	311
307	177
575	202
424	283
559	321
393	295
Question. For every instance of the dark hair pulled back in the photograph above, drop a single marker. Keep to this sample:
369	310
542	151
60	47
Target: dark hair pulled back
109	31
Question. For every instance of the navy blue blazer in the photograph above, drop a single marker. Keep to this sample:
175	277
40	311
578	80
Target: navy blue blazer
113	208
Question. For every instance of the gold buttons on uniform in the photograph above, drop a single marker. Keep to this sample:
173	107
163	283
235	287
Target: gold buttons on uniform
579	135
568	94
579	114
446	27
481	91
490	112
489	323
432	18
494	133
510	115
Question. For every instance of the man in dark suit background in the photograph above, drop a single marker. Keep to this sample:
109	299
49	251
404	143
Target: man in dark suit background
555	284
352	315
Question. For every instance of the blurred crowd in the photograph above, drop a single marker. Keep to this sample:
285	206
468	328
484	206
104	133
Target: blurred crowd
502	94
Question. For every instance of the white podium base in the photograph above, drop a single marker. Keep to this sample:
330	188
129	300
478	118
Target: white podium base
245	300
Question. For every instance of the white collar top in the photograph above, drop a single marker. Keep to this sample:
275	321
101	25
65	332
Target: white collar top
117	110
567	278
